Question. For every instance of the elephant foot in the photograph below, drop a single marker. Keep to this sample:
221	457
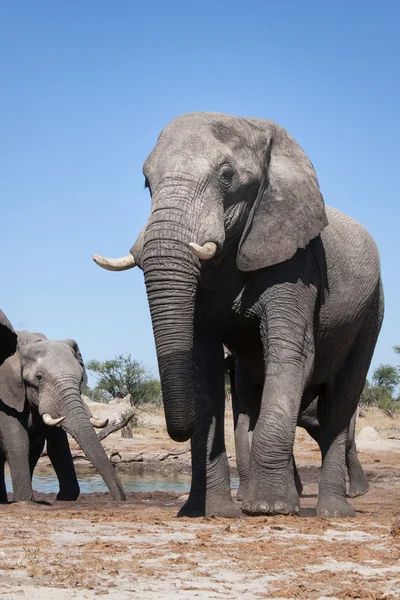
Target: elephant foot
271	504
196	507
335	506
358	488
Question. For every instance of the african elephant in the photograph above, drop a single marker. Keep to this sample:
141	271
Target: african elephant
8	338
237	250
246	402
40	387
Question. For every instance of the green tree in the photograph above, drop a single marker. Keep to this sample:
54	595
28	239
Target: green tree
97	395
378	395
124	375
386	376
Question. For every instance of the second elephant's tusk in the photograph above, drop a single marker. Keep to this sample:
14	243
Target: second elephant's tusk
204	252
115	264
99	423
48	420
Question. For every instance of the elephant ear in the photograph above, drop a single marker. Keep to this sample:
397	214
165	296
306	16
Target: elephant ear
8	338
78	356
289	210
12	388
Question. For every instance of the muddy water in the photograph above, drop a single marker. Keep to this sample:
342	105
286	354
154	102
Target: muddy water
46	482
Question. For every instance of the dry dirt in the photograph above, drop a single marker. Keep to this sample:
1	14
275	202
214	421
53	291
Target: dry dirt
139	549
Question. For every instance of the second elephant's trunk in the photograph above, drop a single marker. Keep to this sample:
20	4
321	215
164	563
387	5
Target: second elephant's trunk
64	400
78	425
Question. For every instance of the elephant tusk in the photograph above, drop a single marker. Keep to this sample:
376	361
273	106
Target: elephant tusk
99	423
204	252
115	264
48	420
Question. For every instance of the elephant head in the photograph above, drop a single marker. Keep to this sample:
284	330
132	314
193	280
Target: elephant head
223	188
8	338
50	376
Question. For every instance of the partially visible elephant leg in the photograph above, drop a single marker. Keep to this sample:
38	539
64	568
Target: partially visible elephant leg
61	458
35	450
358	484
16	443
246	401
242	447
334	415
3	490
210	493
357	479
336	410
297	479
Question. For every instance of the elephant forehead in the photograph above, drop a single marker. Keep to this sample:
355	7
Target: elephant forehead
49	351
196	142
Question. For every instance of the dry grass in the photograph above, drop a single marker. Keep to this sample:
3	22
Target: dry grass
377	418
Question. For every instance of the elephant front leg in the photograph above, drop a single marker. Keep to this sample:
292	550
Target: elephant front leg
210	493
62	461
16	445
271	488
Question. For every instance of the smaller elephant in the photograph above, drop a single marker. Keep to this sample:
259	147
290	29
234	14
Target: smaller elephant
40	401
246	399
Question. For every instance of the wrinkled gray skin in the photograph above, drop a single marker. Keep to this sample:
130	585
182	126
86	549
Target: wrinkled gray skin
245	413
8	338
46	376
297	300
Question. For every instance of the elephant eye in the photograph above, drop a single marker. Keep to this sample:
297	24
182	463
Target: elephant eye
226	175
39	377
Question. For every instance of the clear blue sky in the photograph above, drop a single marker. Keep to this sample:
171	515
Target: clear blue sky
87	86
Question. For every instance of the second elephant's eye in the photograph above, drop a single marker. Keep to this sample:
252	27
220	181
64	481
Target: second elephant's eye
226	175
39	377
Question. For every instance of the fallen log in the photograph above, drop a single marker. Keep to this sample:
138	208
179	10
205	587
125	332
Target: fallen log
126	417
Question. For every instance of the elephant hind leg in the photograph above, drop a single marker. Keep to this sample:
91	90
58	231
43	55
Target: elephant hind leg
297	479
358	484
246	402
336	411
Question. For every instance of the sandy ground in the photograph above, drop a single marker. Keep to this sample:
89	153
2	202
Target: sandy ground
139	549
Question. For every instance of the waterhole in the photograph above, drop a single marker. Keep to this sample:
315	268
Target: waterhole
89	482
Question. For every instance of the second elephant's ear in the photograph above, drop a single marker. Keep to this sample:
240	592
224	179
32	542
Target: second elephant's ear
78	355
12	388
289	210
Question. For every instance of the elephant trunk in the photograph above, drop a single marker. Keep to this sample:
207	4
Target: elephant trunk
171	284
77	424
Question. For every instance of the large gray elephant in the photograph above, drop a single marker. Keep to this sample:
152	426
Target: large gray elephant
240	249
246	403
40	387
